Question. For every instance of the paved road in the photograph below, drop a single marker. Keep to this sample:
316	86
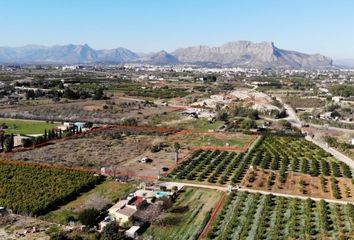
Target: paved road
292	117
345	130
295	121
340	156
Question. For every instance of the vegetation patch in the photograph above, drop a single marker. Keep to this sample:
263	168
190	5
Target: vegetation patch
187	217
255	216
16	126
35	190
103	195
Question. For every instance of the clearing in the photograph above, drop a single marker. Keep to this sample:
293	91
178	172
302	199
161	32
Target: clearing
26	127
112	149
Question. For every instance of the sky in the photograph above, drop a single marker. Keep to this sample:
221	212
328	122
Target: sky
311	26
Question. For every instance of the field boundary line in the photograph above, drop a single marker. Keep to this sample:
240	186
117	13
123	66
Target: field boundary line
115	174
215	212
185	157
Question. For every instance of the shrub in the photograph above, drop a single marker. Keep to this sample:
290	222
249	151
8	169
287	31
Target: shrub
88	217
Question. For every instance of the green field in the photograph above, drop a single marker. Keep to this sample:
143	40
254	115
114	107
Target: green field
217	140
201	124
26	127
105	193
188	216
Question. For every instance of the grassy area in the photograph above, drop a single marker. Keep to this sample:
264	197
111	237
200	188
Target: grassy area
188	216
217	140
17	126
201	124
103	194
164	119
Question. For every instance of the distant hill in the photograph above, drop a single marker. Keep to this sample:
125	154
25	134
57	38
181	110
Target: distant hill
162	58
65	54
239	53
248	54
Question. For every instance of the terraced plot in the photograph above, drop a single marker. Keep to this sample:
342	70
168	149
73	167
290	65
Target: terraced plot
255	216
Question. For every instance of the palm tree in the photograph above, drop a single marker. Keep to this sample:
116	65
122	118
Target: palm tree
176	147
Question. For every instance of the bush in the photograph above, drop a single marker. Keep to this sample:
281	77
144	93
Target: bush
111	232
27	142
88	217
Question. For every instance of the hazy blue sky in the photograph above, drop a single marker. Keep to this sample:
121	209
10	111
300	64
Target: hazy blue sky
313	26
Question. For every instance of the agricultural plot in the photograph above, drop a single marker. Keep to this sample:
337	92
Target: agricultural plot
281	154
297	155
200	124
211	166
119	151
221	167
255	216
186	218
16	126
220	140
36	190
300	184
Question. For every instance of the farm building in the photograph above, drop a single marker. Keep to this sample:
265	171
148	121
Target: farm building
18	140
124	210
132	232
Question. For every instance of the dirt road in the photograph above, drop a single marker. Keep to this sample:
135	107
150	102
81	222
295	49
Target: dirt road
180	185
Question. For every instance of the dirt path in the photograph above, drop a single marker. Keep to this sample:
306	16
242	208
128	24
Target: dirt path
182	184
256	191
292	196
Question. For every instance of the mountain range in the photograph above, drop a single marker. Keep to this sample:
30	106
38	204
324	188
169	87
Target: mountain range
232	54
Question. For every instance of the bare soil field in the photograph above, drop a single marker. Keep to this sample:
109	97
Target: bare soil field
257	100
102	111
22	227
311	187
120	156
